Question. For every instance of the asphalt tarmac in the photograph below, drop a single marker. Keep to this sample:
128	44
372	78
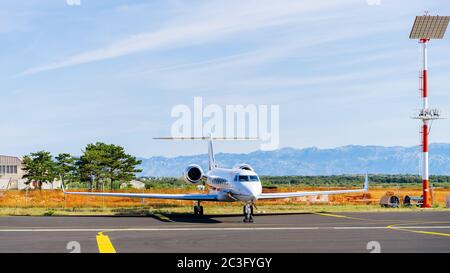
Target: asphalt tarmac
424	231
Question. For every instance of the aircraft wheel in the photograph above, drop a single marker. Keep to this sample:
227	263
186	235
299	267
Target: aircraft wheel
250	207
200	210
248	213
196	210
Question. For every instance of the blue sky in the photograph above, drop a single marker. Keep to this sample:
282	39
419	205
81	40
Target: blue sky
343	71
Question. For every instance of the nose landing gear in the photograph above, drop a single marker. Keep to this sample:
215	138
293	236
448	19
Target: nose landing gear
248	213
198	209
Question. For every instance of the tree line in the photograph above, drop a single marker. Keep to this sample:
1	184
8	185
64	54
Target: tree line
375	180
353	180
99	164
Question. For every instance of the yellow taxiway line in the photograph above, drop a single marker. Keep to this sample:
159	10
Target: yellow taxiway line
393	226
104	244
162	218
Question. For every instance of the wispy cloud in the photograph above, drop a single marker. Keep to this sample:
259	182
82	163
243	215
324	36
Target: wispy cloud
235	70
205	26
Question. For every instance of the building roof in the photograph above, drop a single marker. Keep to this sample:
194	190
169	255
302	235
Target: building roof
9	160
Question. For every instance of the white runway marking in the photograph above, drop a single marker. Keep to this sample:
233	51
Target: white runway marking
157	229
394	227
212	229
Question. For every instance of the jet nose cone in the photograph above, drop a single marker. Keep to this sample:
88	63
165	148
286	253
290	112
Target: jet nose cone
253	190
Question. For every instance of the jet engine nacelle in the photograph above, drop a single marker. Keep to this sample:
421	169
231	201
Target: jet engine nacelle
244	167
193	174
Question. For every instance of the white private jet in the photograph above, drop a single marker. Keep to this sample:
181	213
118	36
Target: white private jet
239	184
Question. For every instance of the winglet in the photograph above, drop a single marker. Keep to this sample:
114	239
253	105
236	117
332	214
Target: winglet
62	186
366	182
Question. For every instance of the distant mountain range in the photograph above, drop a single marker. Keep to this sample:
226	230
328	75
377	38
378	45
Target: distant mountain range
352	159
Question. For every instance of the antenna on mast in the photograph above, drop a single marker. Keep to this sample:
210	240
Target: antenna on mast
425	28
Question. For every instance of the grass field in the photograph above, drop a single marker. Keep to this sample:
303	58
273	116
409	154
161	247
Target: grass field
53	202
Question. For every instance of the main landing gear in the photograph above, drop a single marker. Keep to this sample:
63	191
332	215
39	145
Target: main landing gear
198	209
248	213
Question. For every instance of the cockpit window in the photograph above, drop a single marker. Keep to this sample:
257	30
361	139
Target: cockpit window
252	178
243	178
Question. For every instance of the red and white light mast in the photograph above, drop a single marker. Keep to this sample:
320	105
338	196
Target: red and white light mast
425	28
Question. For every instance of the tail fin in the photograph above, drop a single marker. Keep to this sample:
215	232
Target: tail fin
211	159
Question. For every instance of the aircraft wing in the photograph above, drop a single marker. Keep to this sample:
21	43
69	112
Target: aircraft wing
192	196
279	195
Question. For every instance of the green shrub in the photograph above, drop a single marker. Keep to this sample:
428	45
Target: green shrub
49	212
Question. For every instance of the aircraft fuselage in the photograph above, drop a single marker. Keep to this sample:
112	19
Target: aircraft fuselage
234	184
